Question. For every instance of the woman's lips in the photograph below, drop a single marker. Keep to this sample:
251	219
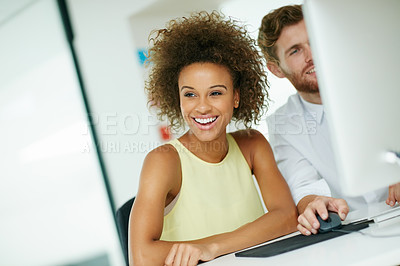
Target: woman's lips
205	123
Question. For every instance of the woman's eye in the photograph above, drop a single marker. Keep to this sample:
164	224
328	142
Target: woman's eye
215	93
189	94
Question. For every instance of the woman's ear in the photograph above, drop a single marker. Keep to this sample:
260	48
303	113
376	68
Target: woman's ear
275	69
236	98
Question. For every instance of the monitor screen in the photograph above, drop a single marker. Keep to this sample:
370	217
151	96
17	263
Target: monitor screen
356	51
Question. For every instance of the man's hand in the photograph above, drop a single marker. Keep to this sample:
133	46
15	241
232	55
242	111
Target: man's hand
394	194
188	254
308	222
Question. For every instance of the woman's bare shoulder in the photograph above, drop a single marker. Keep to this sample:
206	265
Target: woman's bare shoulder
248	137
162	166
164	152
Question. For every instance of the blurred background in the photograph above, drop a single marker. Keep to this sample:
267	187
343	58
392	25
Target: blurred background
72	75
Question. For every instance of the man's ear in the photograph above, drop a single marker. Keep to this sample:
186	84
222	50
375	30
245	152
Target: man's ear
275	69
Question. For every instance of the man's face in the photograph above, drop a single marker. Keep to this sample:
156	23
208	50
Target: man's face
295	58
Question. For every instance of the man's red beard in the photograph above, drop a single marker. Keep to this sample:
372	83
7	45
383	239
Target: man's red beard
301	84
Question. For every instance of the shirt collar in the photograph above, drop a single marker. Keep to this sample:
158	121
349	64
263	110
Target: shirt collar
316	111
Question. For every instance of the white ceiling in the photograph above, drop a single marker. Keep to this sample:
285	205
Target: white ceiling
168	6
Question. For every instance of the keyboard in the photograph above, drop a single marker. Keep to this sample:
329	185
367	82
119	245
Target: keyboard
381	212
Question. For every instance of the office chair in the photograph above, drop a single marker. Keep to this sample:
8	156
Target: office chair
122	219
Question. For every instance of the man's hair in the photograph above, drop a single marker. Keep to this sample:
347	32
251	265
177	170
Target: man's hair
272	25
212	38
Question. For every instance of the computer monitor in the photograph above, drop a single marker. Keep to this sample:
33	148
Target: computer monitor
356	51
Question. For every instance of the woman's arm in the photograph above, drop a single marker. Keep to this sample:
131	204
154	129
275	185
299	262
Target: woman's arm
159	179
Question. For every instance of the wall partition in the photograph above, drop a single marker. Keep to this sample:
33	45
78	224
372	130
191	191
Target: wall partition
54	206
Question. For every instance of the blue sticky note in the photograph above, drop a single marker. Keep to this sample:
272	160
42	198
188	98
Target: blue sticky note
142	55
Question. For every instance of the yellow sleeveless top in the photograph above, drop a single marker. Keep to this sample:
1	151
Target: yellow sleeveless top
214	197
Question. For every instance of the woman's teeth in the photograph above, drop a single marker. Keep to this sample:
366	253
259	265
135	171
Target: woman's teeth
205	120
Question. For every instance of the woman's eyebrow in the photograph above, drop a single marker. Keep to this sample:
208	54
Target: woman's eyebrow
215	86
212	87
187	87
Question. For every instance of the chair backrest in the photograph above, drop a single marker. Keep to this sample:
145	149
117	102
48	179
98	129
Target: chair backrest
122	218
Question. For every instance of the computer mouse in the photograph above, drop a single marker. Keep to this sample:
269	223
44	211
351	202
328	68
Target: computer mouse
332	222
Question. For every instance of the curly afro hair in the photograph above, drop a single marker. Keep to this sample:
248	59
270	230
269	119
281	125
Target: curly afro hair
205	37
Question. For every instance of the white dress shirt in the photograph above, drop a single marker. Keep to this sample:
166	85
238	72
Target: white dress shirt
300	138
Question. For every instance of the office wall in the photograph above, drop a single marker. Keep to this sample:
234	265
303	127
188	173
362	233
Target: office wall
111	70
53	205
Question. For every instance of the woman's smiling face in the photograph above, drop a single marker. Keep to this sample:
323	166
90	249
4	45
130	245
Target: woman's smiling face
207	99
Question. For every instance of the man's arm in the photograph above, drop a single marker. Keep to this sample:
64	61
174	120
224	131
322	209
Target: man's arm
303	203
311	205
394	195
301	176
310	192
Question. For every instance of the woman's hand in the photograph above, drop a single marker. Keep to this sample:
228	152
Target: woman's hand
183	254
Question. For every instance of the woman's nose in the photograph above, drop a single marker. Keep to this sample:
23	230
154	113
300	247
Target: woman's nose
203	106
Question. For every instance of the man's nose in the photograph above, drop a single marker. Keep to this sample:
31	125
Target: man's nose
308	54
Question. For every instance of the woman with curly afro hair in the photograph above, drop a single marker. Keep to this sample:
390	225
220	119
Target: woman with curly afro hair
197	198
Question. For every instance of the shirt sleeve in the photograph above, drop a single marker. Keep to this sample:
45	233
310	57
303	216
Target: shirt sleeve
302	178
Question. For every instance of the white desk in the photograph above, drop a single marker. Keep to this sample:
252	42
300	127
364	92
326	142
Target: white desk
351	249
